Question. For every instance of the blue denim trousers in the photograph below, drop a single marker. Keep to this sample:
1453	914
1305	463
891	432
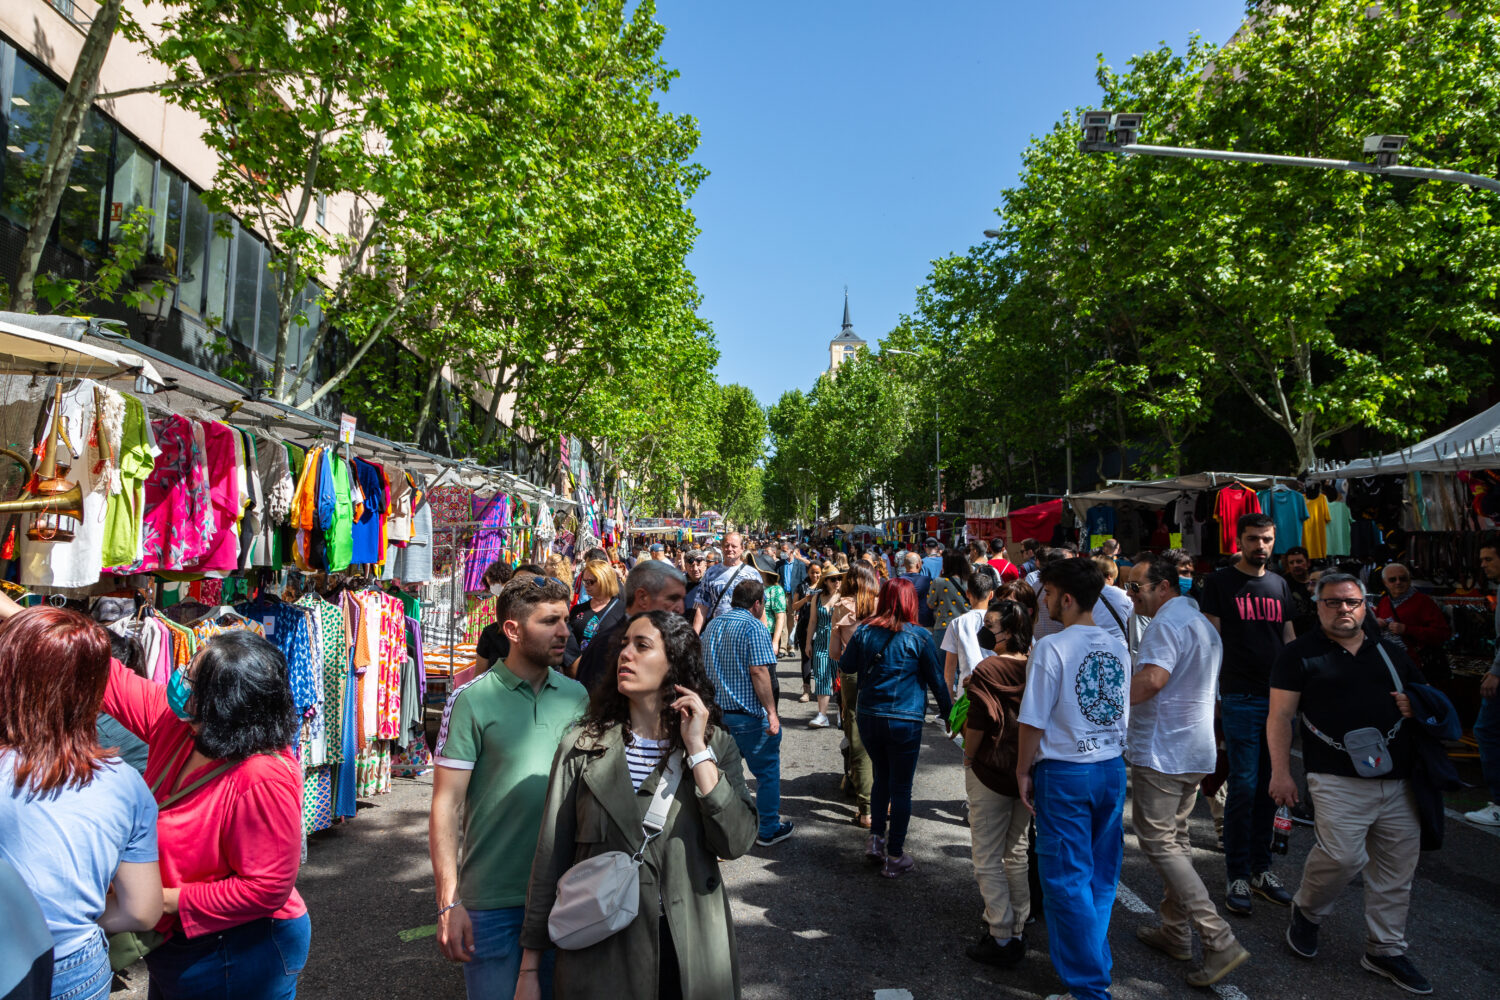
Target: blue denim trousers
893	746
1249	810
496	964
83	975
1487	734
1080	845
762	753
259	960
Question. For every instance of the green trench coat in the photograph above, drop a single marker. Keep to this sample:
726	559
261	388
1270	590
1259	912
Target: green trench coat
591	809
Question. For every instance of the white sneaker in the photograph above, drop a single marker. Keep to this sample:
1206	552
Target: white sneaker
1488	816
819	721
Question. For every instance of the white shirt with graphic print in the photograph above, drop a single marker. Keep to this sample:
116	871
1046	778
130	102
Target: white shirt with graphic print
1078	694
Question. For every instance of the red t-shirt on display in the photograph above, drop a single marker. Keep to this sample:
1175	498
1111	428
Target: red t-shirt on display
1232	504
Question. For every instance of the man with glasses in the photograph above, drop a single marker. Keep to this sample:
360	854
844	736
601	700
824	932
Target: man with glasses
1347	687
1171	750
693	566
1252	611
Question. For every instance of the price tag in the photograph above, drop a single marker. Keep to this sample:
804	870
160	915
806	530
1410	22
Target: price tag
347	424
270	626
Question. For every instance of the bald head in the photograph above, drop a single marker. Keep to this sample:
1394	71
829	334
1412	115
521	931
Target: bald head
734	548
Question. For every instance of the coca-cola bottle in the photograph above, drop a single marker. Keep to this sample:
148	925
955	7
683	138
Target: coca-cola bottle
1281	830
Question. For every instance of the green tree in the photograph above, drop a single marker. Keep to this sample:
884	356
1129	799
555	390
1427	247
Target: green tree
730	482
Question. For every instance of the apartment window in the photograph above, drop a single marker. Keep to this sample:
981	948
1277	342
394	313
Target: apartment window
301	338
270	320
80	218
243	309
133	187
220	241
31	102
323	210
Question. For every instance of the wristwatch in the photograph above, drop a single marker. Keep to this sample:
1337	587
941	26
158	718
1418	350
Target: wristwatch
706	754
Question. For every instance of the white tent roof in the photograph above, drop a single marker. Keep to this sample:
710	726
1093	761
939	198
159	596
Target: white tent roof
1160	492
27	352
1473	444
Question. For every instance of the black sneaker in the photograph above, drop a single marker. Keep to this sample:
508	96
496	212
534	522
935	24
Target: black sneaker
1237	897
1001	956
782	832
1268	886
1302	934
1399	970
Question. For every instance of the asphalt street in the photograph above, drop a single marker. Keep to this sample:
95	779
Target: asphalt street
815	922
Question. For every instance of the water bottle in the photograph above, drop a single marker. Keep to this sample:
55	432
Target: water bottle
1282	830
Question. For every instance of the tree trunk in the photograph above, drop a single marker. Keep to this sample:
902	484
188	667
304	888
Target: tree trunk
434	372
67	129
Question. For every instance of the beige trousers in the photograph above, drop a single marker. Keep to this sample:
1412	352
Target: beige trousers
1160	805
1365	826
997	833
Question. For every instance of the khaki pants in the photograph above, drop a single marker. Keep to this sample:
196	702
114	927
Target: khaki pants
997	833
1365	826
1160	805
856	761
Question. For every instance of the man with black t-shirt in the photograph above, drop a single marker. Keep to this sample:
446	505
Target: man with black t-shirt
1350	690
1252	609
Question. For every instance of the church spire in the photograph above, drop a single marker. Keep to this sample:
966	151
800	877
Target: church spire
848	326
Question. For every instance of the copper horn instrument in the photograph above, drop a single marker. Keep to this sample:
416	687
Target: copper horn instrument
45	492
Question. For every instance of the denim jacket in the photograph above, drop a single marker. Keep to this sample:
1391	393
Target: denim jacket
894	668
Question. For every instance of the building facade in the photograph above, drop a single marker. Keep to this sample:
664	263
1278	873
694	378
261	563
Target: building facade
847	343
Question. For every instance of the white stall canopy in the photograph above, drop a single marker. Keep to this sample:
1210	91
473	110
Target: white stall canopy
1473	444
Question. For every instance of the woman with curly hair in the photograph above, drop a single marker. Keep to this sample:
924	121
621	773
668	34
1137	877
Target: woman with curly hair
655	712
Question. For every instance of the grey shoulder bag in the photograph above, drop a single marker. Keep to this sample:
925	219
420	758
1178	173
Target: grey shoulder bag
600	896
1368	748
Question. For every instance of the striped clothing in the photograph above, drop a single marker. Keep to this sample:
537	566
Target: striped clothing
732	644
642	756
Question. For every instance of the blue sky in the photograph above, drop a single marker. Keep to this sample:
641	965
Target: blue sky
850	143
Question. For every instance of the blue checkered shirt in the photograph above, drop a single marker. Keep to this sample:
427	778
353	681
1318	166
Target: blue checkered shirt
732	644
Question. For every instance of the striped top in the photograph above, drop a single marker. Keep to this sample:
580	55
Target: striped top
642	756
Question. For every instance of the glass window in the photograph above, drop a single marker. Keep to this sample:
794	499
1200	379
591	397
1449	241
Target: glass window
194	257
33	104
135	179
270	320
246	283
302	338
215	306
81	216
166	227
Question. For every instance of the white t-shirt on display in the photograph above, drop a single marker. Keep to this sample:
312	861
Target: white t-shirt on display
1174	732
962	637
1078	694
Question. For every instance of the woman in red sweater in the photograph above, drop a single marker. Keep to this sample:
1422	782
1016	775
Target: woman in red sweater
1407	616
229	827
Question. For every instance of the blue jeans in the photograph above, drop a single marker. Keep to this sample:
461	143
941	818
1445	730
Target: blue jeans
762	753
1249	810
259	960
893	745
83	975
496	964
1080	844
1487	735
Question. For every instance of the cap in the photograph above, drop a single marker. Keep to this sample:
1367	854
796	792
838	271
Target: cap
658	547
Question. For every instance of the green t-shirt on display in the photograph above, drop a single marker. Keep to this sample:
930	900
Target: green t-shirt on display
341	534
507	735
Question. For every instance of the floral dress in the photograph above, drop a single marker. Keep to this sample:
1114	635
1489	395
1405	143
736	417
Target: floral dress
822	668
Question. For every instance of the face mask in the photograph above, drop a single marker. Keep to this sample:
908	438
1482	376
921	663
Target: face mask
1184	585
178	696
497	588
986	638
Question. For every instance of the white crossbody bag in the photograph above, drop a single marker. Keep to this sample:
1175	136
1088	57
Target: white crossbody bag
601	895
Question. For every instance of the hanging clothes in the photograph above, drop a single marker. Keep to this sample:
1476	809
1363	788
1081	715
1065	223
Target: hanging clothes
488	543
366	544
84	457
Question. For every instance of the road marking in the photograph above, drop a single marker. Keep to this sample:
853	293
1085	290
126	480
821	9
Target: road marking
812	935
893	995
1128	899
1493	831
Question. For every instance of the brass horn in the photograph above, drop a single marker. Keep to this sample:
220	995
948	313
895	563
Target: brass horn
45	491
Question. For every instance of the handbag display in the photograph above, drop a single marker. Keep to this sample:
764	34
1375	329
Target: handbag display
600	896
1368	748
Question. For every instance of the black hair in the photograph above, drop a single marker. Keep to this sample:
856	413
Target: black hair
242	698
521	597
1081	579
533	569
595	553
1164	568
684	651
982	583
1030	545
1297	550
1248	521
1015	620
497	572
746	593
1047	557
956	566
129	652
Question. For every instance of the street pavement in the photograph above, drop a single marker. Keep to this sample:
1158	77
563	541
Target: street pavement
813	921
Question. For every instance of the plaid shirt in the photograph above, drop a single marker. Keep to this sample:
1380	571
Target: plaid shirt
732	644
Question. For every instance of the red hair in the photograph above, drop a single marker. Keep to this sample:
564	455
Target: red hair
898	605
54	666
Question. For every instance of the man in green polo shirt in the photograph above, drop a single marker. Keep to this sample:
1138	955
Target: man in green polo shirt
494	752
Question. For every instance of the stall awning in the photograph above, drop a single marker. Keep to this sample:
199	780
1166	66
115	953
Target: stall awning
26	352
1473	444
1037	521
1160	492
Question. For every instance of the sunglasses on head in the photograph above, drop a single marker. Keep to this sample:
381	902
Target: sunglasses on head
542	581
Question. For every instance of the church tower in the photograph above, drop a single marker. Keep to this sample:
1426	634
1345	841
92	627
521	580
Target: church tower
847	343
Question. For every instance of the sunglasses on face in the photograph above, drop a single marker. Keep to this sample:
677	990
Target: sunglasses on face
1397	579
1338	603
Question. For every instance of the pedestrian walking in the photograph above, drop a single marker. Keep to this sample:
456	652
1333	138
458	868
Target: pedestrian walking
859	594
1411	620
1487	725
1045	624
1359	759
1252	611
600	613
998	819
911	571
652	721
714	596
947	598
895	665
738	655
651	586
1171	751
1070	773
819	635
804	613
77	820
694	564
960	644
932	562
494	748
775	600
